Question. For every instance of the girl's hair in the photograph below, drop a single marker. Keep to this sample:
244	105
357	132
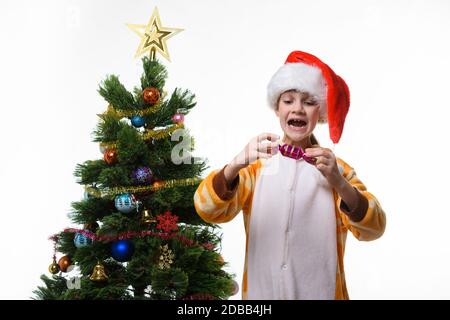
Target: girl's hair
313	139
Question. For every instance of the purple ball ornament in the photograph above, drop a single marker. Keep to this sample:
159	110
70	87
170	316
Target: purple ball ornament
142	175
178	118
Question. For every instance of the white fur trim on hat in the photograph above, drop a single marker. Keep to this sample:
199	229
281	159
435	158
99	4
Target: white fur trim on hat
301	77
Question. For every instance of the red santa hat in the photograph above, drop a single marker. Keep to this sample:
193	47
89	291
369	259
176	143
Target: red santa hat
306	73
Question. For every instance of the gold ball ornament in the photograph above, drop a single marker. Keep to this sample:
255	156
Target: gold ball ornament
64	263
221	260
53	268
151	95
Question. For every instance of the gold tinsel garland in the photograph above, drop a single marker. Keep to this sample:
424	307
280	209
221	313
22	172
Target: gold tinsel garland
140	112
149	134
139	189
159	134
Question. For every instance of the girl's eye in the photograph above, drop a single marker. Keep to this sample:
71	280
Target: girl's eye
287	101
311	103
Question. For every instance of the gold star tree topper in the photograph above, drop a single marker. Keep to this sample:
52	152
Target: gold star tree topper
153	36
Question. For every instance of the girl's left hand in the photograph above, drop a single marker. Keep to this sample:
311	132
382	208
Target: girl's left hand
326	164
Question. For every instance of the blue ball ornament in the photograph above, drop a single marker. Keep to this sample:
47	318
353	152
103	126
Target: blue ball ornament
125	202
87	195
137	121
81	240
142	175
122	250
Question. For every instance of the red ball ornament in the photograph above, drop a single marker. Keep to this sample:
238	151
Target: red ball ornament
64	263
110	156
178	118
151	95
157	184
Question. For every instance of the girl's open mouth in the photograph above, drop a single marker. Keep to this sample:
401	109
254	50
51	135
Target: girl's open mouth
296	124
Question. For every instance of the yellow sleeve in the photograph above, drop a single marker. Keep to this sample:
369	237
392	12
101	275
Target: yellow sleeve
216	206
373	224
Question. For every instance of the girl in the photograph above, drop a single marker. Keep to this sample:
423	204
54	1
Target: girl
298	203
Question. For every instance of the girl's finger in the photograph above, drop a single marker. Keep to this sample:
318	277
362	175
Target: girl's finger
316	152
322	160
321	167
270	148
268	136
313	152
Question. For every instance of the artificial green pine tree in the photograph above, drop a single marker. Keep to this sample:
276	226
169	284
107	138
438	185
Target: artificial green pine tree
140	237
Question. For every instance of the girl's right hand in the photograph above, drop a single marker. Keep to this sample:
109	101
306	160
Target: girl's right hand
257	148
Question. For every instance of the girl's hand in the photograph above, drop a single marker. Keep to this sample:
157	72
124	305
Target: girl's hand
327	165
257	148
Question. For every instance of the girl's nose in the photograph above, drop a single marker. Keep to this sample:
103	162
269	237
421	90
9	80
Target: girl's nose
298	107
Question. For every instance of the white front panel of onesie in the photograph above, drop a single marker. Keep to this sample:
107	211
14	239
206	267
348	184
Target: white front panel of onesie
292	240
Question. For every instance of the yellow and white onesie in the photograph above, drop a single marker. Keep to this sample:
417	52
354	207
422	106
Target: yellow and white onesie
295	223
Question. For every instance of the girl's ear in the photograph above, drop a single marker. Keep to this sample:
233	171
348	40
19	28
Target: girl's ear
277	113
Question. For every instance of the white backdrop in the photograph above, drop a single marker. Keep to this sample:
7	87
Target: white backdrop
393	54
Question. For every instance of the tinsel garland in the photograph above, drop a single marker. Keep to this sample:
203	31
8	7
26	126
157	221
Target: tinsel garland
159	134
127	114
149	134
96	192
140	112
136	234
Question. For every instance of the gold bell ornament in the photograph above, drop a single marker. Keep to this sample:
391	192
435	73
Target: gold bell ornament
147	217
98	274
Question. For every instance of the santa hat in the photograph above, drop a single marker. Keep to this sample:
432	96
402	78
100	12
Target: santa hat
306	73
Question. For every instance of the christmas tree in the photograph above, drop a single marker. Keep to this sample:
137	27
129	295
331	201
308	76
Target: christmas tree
140	236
